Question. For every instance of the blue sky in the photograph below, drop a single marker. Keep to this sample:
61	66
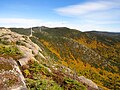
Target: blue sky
84	15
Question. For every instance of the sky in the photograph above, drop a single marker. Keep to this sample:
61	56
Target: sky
84	15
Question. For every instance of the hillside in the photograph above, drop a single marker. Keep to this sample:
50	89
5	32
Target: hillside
95	55
25	65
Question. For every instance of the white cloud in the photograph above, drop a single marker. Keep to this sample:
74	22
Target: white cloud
23	22
87	7
101	15
19	22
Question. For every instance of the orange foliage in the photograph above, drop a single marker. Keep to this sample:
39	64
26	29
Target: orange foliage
91	44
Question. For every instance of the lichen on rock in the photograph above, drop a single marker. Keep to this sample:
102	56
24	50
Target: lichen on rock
10	75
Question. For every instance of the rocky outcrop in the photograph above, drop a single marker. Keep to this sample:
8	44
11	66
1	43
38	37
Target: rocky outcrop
23	43
91	85
67	72
11	77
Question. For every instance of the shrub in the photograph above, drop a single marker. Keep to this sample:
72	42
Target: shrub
10	51
42	84
70	84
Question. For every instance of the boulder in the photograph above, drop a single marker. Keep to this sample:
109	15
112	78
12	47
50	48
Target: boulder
11	77
91	85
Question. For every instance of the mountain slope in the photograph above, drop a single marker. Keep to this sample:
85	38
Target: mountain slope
95	55
41	68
